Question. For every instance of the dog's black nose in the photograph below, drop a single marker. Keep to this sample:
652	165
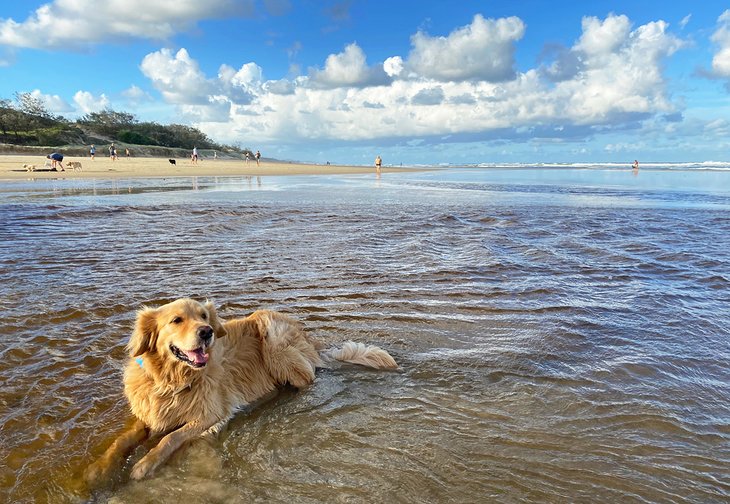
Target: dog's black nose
205	333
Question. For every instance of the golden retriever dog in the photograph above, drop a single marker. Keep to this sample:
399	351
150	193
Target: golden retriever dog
29	167
74	165
189	371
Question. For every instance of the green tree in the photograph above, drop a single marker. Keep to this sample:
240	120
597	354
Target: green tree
108	121
135	137
29	104
6	115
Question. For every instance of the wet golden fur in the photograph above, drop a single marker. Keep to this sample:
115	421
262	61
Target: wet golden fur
189	371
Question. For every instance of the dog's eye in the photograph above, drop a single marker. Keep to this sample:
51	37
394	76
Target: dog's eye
204	315
176	320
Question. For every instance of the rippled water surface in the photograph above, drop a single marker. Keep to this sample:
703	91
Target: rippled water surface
562	334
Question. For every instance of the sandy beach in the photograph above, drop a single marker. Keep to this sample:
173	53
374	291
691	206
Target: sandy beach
11	167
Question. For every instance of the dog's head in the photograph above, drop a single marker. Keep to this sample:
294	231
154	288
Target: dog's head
183	330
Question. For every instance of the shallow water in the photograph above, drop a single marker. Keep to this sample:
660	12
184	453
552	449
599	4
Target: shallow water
563	334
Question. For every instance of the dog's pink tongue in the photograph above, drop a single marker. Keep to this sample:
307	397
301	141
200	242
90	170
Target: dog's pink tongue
198	356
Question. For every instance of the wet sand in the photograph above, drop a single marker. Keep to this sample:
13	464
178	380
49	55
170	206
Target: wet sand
11	167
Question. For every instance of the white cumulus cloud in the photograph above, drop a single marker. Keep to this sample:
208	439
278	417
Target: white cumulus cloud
177	76
483	50
181	82
81	23
248	74
347	68
602	38
615	79
393	66
87	102
621	71
242	84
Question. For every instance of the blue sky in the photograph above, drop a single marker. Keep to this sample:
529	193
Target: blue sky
417	82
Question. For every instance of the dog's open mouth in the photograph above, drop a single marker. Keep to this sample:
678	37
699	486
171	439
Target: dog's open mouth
196	358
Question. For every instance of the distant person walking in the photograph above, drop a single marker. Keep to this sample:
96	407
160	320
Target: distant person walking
636	164
92	152
194	157
126	152
378	164
247	157
258	157
56	158
112	152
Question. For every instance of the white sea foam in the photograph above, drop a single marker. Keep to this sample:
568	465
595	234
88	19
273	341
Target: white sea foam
693	165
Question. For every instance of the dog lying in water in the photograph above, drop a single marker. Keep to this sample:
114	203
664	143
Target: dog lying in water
189	372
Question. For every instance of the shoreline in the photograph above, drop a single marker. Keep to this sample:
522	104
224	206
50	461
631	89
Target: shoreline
11	168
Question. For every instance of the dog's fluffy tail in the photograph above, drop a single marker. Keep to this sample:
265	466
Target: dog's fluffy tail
359	353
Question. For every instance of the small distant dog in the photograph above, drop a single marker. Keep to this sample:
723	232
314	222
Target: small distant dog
172	161
74	165
29	167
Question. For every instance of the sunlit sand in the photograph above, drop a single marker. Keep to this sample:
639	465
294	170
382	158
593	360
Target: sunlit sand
11	167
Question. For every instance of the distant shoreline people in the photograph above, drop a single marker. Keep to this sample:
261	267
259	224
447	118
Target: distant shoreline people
92	152
56	158
378	164
126	152
194	156
635	166
247	157
258	157
112	152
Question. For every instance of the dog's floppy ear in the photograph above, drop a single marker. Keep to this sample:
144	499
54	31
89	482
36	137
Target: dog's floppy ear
215	322
144	336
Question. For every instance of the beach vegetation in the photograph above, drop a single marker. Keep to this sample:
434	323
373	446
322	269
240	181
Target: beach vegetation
108	122
32	106
135	137
25	121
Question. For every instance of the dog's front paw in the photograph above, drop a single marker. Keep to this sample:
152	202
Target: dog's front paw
142	469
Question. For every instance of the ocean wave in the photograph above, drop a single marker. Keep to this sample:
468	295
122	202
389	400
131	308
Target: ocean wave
692	165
